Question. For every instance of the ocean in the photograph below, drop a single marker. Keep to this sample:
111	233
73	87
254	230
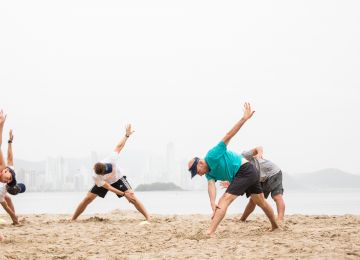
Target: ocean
335	202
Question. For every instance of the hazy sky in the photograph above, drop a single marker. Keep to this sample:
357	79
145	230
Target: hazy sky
73	73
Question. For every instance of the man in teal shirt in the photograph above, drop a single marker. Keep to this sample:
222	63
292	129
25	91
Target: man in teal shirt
223	165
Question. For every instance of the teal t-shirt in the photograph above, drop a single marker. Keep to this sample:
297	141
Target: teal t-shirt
223	164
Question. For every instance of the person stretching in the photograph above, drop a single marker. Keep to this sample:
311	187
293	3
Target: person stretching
108	177
220	164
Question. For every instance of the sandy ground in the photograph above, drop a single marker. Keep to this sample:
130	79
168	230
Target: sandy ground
118	235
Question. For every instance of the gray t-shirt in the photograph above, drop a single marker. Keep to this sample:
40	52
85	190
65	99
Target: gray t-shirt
267	168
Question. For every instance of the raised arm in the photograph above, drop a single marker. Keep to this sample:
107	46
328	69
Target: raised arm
123	140
247	115
10	157
2	121
258	152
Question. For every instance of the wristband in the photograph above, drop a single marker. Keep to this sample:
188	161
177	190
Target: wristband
9	141
127	136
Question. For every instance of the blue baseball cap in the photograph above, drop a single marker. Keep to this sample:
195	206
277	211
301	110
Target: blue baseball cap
108	168
193	168
22	187
16	189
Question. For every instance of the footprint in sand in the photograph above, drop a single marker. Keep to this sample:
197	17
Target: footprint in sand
200	235
96	219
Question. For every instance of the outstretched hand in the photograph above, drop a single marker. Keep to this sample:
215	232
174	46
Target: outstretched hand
248	113
224	184
129	131
2	117
214	210
11	136
16	222
129	192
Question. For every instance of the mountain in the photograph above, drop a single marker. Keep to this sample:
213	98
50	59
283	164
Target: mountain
328	179
291	183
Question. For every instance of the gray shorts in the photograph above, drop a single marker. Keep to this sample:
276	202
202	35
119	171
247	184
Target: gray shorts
273	185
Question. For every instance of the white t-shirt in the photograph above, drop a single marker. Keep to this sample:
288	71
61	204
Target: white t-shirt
2	192
112	177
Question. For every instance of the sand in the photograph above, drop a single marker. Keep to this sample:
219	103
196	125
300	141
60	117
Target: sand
118	235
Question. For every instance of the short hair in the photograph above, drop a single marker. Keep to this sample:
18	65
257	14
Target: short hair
99	168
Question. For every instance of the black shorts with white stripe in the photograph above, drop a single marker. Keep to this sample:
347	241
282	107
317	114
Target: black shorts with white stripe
122	184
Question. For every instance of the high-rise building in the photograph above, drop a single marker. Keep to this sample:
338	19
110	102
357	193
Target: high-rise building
61	170
50	173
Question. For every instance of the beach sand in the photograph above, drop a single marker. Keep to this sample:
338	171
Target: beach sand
118	235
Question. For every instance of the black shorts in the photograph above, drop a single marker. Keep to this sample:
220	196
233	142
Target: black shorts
273	185
122	184
246	181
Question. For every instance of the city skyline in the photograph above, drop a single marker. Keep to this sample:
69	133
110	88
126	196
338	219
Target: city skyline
67	174
75	174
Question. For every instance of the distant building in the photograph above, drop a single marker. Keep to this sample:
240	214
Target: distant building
55	171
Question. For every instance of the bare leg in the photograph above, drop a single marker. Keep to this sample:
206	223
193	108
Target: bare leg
248	210
280	205
219	213
139	206
259	200
83	204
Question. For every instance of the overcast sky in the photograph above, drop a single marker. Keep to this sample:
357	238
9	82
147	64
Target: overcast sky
73	73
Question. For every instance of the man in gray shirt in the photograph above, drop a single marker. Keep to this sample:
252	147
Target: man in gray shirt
270	179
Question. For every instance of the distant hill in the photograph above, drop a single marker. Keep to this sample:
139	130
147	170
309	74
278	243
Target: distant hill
291	183
158	186
328	179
